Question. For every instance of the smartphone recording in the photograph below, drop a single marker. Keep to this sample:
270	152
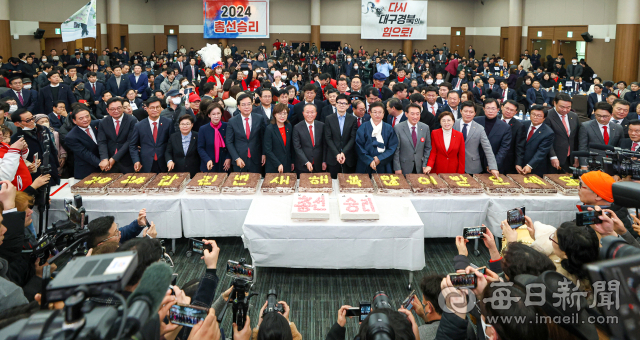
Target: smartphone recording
463	280
473	232
187	315
515	217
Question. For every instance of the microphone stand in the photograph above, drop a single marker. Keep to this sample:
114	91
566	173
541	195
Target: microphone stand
44	192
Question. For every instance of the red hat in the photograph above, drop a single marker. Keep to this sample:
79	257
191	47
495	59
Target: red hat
194	97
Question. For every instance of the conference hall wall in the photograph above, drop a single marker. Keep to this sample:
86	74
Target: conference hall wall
340	21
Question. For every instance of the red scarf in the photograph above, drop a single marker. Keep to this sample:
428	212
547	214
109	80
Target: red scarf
401	80
218	140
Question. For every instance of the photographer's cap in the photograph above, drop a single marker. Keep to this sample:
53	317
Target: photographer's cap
600	183
379	76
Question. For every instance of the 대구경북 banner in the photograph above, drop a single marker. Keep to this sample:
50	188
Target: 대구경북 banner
387	19
225	19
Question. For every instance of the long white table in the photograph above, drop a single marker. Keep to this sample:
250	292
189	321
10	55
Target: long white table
224	215
394	241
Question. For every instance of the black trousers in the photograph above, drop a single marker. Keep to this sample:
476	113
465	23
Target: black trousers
334	170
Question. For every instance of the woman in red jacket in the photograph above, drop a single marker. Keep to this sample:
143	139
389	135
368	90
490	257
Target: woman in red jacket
447	148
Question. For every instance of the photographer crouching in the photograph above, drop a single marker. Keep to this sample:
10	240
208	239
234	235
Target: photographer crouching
104	229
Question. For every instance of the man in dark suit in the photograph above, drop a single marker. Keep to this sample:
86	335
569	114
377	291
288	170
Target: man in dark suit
340	137
566	126
149	138
491	86
59	115
479	91
309	93
330	106
54	92
595	97
498	132
266	107
191	71
633	142
599	131
395	111
504	93
96	90
82	141
79	63
620	115
24	99
539	142
472	52
113	138
179	65
118	84
308	143
457	82
537	95
453	100
443	90
139	82
384	92
244	138
518	138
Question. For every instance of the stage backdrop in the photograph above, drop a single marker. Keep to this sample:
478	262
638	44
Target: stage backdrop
387	19
225	19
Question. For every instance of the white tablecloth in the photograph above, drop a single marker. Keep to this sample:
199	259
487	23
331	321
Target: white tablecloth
274	240
164	211
214	215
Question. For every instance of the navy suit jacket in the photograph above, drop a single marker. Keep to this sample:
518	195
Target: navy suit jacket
45	98
100	89
511	94
28	98
536	150
142	137
239	146
112	86
276	151
188	74
390	119
454	82
500	139
531	96
592	100
109	142
207	148
85	151
55	122
141	86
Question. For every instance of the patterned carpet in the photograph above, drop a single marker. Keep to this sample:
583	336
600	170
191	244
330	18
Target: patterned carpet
315	296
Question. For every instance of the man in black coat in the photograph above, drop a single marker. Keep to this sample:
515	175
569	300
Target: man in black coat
518	139
309	93
25	99
113	138
245	145
498	132
340	136
36	136
82	140
564	143
54	92
308	142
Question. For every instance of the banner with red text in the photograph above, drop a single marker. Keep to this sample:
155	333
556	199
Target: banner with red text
388	19
233	19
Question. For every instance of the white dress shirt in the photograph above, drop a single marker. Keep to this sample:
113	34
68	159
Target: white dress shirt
435	108
244	123
314	132
507	120
602	130
566	119
119	120
398	118
93	136
267	111
151	123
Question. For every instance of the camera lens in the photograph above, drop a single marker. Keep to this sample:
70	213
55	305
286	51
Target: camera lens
381	300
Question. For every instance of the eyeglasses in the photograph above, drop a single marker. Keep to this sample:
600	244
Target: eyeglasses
185	124
113	109
552	240
155	108
603	116
342	103
29	120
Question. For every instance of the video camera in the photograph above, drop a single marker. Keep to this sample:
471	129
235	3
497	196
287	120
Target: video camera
615	161
240	295
621	269
86	277
64	236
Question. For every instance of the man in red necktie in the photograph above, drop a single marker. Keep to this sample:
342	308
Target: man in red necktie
539	140
82	141
309	143
244	137
633	142
600	131
113	138
149	140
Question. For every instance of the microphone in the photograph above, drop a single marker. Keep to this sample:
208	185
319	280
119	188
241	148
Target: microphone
602	147
583	154
146	299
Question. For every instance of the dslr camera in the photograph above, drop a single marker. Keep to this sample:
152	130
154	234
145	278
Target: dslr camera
272	303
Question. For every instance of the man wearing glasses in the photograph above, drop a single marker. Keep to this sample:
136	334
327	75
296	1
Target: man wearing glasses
149	140
539	140
113	138
599	131
34	137
82	140
104	230
340	136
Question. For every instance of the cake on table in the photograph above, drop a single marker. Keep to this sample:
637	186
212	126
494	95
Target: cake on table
462	184
355	184
392	184
533	185
130	184
565	183
357	207
94	184
168	183
206	183
241	183
501	185
310	206
318	183
276	183
427	184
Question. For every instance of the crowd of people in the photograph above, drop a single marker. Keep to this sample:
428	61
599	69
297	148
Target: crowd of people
280	111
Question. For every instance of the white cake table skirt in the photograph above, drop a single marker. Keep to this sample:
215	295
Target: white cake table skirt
164	211
274	240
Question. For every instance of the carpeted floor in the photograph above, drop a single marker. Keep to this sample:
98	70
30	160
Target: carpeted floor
316	295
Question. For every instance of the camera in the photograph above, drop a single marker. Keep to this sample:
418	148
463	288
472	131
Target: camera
240	292
272	303
589	217
244	67
622	163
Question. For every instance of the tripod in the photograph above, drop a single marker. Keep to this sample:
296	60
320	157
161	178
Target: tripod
44	191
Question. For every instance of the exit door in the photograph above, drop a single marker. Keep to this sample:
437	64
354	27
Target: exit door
458	37
172	43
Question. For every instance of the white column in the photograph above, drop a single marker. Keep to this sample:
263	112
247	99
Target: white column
628	12
515	12
4	11
113	11
315	12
